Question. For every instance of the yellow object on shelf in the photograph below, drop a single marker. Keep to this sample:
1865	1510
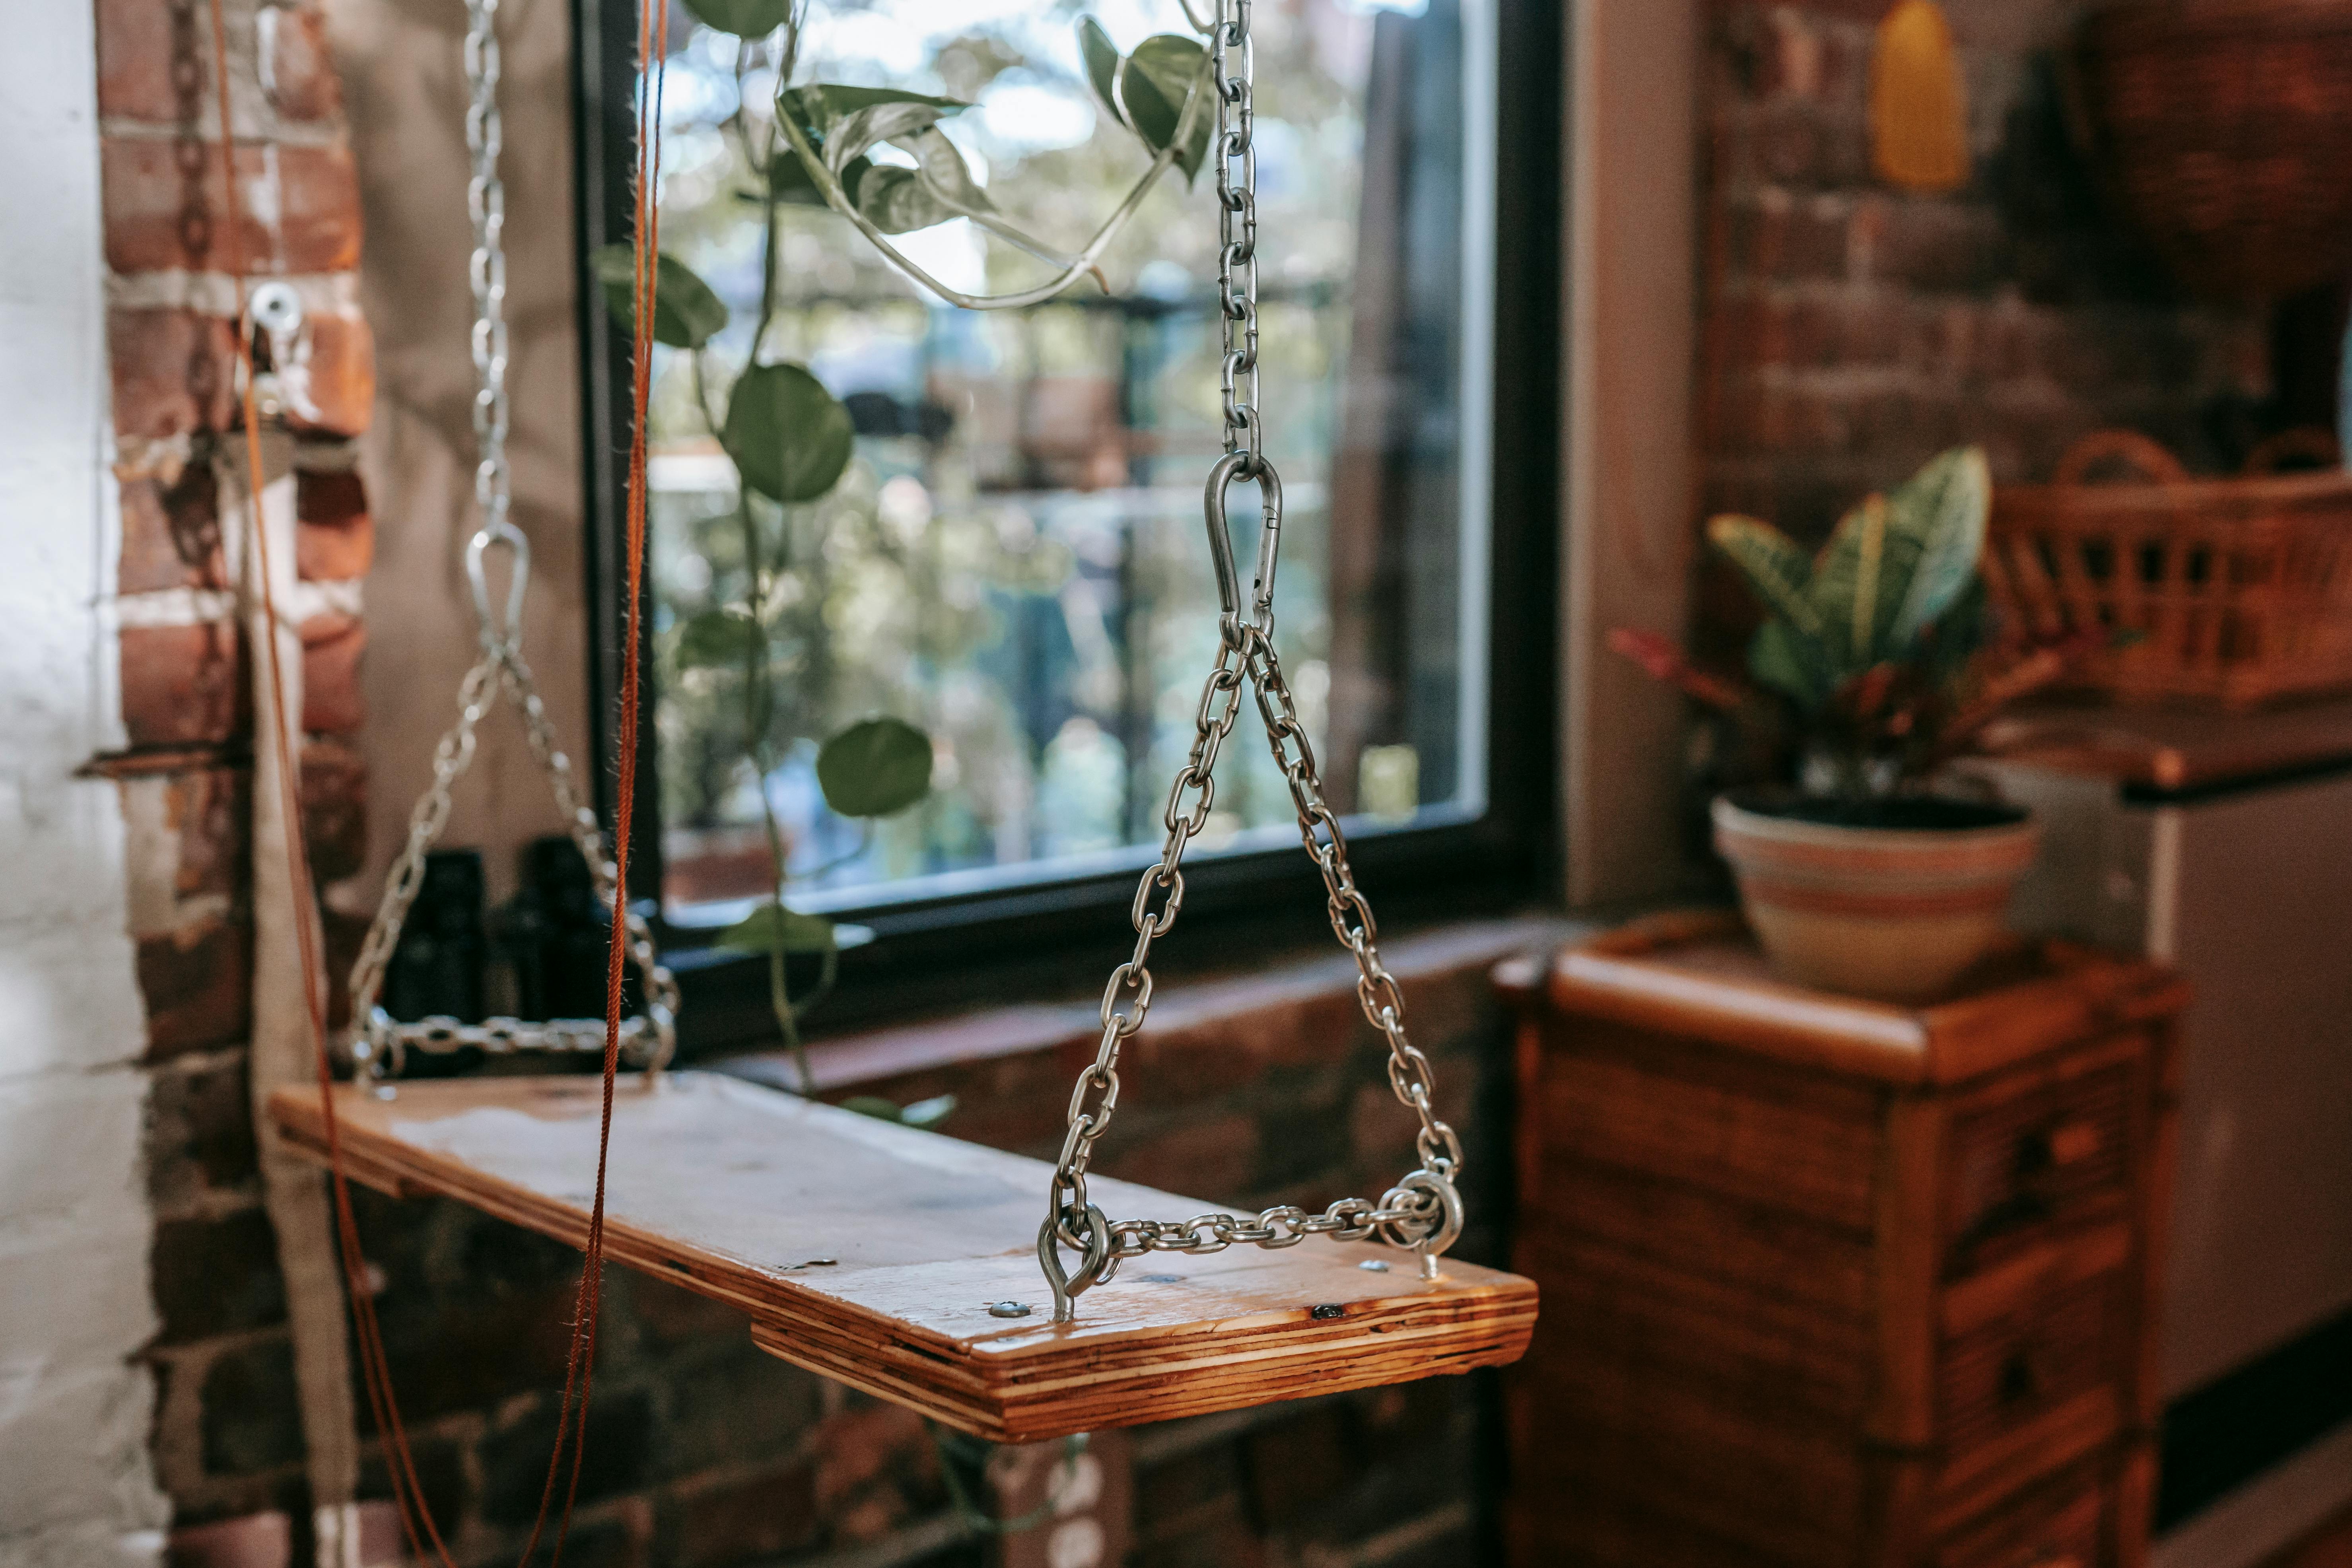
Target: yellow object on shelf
1918	104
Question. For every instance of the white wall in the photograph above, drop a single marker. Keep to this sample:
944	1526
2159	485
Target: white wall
76	1486
405	95
1633	75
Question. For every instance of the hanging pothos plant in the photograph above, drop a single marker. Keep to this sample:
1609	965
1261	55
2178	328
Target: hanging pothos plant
791	441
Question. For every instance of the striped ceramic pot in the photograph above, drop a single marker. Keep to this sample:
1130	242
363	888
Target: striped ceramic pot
1899	910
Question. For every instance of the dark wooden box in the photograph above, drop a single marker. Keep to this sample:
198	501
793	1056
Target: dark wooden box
1829	1283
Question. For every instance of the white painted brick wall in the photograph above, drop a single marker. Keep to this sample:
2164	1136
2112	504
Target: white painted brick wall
76	1486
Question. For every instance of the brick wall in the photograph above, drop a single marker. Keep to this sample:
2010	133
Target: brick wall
1851	330
703	1451
76	1485
170	256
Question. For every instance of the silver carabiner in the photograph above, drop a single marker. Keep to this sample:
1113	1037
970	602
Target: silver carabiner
1236	466
498	639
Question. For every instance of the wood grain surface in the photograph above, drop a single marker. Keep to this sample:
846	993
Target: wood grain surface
871	1253
1831	1283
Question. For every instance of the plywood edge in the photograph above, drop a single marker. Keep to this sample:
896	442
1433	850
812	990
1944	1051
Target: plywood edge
1809	1029
1178	1386
1029	1379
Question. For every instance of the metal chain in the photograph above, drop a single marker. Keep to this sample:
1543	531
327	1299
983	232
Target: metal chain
1234	62
1424	1211
486	204
381	1043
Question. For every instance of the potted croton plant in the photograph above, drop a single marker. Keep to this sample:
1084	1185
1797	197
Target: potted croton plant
1876	663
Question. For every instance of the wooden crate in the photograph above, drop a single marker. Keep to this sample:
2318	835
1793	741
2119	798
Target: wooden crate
1832	1283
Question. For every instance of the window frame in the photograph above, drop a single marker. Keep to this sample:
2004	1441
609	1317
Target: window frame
1041	936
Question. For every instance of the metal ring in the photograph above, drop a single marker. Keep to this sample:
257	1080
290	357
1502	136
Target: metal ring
1232	466
498	639
1067	1287
1429	1235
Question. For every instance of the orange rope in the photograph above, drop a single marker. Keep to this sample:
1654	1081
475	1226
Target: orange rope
415	1516
653	54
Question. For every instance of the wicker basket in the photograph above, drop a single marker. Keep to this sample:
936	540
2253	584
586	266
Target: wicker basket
2224	128
2241	588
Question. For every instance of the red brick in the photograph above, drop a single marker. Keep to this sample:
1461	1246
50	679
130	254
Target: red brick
669	1316
334	808
342	376
138	42
1937	247
199	1134
1216	1154
255	1540
170	533
196	983
858	1448
211	812
1783	237
173	371
215	1276
335	536
1380	1129
303	73
343	935
184	686
771	1512
161	215
332	646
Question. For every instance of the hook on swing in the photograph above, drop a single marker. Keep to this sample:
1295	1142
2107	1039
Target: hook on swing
499	636
1229	468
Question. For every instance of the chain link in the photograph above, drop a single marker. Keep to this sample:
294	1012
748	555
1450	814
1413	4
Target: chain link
1234	62
381	1043
486	204
1424	1211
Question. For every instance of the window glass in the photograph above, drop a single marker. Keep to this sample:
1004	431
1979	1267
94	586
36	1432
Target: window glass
1016	561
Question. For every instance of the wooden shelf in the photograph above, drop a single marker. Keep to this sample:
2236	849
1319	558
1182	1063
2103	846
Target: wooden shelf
871	1253
1700	974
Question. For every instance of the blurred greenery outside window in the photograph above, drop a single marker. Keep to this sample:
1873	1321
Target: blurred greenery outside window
1016	561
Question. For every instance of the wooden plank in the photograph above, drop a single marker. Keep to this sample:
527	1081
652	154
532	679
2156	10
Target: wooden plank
871	1253
1701	975
1903	1403
1776	1139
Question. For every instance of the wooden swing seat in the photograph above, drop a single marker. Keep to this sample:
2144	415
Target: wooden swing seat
872	1252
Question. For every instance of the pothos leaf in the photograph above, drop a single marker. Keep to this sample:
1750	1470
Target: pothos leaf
928	1112
820	106
941	165
874	768
853	134
1101	57
791	182
717	639
744	18
772	927
922	1113
686	313
788	436
896	201
1153	86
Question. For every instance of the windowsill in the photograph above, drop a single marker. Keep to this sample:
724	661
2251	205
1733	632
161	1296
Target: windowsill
1255	1009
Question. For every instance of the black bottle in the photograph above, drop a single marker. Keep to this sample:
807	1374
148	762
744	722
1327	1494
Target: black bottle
436	971
556	936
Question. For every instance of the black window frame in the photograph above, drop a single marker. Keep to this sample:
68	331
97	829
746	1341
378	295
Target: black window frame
1023	941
